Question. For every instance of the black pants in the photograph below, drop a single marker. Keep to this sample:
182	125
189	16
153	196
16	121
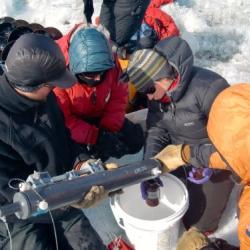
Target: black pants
88	9
208	201
73	232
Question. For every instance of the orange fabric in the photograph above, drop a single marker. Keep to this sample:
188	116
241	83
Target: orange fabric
124	64
244	220
229	130
215	161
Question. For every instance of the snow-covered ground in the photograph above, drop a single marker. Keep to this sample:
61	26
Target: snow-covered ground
219	35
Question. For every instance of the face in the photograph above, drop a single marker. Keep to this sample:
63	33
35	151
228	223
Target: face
91	78
39	94
159	90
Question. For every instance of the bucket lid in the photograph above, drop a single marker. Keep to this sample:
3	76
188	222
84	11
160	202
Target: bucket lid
136	213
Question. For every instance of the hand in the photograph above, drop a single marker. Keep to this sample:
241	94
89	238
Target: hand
200	175
144	186
132	135
192	239
92	198
174	156
109	145
107	166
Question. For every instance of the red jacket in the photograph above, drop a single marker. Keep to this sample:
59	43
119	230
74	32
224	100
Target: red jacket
160	21
80	103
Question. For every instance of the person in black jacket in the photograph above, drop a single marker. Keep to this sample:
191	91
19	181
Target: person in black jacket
180	96
33	137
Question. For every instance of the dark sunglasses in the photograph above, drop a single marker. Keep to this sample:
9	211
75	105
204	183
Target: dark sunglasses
150	90
91	74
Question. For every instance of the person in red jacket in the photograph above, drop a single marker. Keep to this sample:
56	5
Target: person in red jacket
94	108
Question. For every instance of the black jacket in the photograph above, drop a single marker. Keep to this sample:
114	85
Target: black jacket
32	137
184	119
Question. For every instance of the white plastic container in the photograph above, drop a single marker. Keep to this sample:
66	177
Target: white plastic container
152	228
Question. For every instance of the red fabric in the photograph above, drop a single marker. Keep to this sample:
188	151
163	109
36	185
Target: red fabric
159	3
119	244
77	102
161	22
165	98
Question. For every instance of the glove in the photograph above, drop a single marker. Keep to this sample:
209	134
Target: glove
200	175
144	185
109	145
96	193
174	156
92	198
109	166
191	240
132	135
219	244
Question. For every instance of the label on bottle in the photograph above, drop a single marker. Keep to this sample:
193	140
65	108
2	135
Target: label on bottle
153	194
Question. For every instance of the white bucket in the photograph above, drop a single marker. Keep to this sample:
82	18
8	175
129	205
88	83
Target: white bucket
152	228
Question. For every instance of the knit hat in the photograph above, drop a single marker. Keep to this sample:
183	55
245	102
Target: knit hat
146	66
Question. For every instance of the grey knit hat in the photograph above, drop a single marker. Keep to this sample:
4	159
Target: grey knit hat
146	66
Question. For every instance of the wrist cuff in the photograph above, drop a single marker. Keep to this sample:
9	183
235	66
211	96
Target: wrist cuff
185	153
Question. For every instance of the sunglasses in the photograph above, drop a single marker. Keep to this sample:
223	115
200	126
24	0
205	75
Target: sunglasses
91	75
150	90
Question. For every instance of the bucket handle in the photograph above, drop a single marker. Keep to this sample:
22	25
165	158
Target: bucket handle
119	220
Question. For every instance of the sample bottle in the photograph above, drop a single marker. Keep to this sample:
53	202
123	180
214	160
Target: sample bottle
153	193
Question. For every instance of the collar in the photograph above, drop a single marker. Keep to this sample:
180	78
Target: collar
12	101
167	97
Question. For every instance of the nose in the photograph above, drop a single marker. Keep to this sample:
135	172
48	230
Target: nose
97	78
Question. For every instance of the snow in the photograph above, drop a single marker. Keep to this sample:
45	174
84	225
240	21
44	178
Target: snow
219	35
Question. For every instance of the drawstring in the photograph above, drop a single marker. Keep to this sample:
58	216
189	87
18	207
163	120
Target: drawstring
93	97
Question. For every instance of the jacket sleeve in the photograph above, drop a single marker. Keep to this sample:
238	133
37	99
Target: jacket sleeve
205	154
114	111
157	137
161	22
81	131
159	3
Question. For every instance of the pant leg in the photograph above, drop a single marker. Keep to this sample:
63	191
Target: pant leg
26	236
88	10
78	234
244	220
208	201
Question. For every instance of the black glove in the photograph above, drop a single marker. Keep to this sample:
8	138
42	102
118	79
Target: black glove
132	136
219	244
109	145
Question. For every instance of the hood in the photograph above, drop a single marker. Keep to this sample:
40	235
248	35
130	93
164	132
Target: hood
229	128
179	54
64	43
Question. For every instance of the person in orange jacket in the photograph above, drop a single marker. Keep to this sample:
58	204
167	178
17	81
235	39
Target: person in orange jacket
228	129
231	138
94	108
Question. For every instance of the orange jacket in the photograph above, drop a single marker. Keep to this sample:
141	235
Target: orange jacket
229	128
80	103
